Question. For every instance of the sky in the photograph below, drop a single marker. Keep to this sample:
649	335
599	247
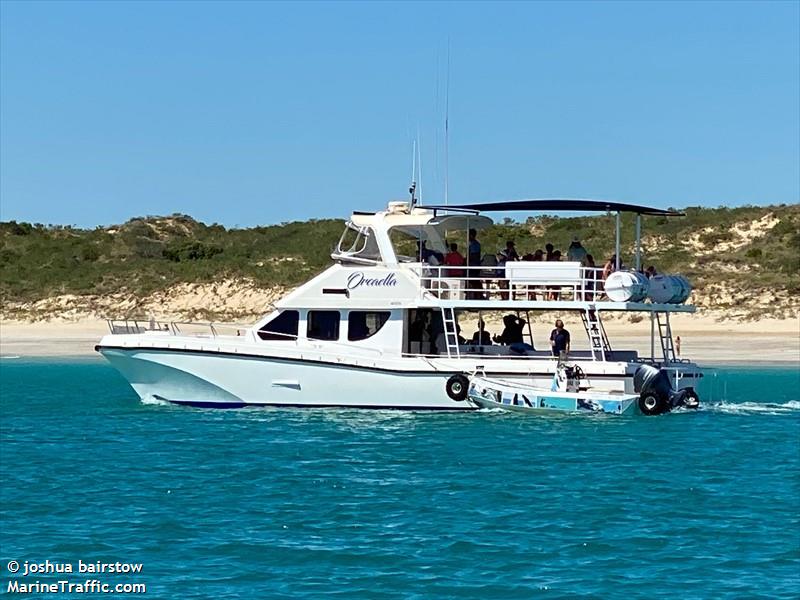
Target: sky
258	113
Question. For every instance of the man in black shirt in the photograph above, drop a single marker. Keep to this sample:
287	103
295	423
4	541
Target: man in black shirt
559	339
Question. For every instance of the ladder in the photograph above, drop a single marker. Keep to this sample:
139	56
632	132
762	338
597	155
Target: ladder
450	332
598	339
665	334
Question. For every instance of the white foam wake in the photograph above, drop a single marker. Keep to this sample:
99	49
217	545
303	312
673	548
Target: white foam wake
754	407
154	400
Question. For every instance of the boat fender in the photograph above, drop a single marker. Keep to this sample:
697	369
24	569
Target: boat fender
457	387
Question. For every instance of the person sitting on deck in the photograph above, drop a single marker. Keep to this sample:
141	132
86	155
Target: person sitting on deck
512	333
454	259
549	249
510	252
427	255
650	272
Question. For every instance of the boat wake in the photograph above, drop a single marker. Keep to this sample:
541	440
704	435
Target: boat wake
153	401
770	408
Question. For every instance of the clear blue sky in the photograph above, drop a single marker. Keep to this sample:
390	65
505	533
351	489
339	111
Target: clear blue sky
247	113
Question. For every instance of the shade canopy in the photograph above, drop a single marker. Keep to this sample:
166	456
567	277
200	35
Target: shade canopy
557	204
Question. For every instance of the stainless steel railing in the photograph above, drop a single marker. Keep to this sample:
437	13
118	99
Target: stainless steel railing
517	281
191	328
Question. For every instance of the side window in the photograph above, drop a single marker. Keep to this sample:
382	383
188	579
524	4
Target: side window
364	324
323	325
282	327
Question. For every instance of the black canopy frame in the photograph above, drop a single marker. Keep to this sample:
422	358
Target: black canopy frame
560	204
577	205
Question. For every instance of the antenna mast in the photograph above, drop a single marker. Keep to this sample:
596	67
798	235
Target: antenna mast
447	128
419	163
413	189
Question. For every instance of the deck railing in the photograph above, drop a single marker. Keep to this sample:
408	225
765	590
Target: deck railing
197	329
521	280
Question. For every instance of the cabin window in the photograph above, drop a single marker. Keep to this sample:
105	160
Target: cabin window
282	327
323	325
363	324
406	240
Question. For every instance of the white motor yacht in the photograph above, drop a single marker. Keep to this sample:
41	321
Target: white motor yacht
380	328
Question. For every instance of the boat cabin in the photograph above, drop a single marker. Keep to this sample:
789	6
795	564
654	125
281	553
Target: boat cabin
389	291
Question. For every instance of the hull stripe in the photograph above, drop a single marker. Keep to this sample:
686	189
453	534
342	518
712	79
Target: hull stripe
239	405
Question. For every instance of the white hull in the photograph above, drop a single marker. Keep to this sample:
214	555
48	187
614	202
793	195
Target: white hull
233	378
226	381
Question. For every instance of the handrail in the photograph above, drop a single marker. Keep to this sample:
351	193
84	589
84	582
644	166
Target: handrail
488	282
139	326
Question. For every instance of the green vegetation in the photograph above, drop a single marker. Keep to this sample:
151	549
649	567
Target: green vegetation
149	254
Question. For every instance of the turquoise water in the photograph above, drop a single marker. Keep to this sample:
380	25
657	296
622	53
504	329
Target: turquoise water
348	504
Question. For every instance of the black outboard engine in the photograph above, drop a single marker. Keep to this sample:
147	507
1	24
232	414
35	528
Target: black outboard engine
656	394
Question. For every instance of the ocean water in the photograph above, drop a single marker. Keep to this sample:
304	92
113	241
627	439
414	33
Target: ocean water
348	504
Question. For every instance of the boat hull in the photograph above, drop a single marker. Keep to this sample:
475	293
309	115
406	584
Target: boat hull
228	381
236	377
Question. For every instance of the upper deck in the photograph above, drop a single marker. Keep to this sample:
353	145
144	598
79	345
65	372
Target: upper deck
395	258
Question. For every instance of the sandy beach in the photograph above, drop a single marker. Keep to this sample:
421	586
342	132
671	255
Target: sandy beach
703	338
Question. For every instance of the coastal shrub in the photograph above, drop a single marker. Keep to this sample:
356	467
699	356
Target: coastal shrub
90	253
14	228
183	251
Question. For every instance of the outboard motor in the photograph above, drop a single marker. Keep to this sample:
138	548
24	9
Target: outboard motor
656	394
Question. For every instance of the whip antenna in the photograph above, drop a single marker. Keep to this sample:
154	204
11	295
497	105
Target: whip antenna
413	189
419	161
447	128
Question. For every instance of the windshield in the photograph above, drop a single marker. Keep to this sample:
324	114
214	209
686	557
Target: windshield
358	244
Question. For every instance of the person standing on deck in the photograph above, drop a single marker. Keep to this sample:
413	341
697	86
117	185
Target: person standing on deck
473	261
559	339
591	275
576	252
473	249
